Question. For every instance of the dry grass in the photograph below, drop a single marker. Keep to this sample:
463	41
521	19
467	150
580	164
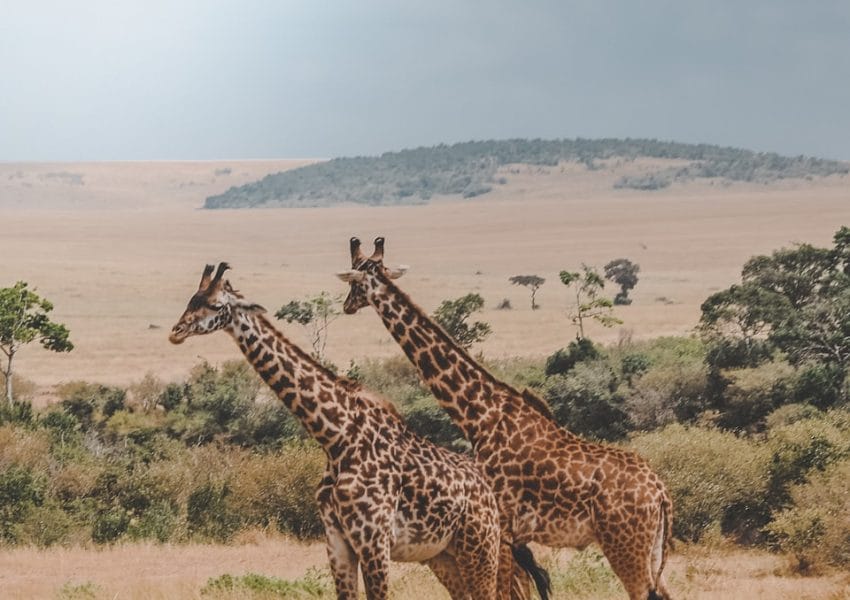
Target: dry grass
121	255
146	571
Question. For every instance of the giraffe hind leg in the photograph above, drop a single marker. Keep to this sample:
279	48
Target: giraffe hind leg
445	569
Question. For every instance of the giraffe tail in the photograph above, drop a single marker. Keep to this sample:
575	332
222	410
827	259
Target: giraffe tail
525	559
661	547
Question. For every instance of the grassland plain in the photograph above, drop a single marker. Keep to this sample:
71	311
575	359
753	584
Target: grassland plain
117	246
118	256
157	572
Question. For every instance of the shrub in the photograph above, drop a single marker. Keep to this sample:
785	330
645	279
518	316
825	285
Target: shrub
751	394
428	419
160	522
315	584
20	493
208	513
109	525
713	477
565	359
280	489
798	449
584	401
816	529
667	392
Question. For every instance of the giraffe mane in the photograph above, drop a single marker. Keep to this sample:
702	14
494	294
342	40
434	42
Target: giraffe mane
349	385
531	399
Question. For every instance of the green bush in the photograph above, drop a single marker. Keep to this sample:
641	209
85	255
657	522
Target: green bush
428	419
209	514
815	529
20	493
279	489
110	525
751	394
800	448
315	584
585	402
717	480
562	361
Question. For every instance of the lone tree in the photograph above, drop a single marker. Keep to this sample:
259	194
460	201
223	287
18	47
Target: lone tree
589	304
452	316
623	272
316	315
530	281
23	320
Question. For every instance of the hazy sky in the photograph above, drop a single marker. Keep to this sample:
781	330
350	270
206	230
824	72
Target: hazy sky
199	79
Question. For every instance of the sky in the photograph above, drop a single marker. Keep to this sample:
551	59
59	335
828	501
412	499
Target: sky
227	79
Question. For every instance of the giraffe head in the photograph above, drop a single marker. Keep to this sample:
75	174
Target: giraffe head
366	274
213	306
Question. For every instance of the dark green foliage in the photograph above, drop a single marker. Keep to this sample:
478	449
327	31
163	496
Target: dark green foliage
532	282
469	169
208	513
634	365
428	419
623	272
17	412
587	285
795	301
24	320
314	584
586	402
110	525
452	315
20	493
171	396
565	359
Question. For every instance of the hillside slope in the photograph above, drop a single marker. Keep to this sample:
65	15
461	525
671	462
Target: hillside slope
472	169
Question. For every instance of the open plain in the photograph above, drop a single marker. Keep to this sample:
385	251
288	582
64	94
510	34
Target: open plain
119	247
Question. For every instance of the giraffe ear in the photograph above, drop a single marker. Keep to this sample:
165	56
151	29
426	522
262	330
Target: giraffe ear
351	276
248	307
397	271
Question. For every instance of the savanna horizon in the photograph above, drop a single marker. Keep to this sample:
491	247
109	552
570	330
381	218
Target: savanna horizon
117	253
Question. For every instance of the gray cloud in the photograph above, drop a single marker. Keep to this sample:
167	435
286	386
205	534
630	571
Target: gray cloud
247	79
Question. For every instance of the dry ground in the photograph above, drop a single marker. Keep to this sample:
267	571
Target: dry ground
119	247
151	572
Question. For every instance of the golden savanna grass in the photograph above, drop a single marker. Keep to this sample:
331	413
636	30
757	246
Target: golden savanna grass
148	571
119	247
121	254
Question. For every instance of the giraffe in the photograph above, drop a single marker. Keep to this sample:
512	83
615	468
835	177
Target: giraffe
386	493
552	486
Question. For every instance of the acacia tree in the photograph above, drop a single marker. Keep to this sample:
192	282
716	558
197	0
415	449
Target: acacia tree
452	315
530	281
589	304
23	320
316	315
797	301
623	272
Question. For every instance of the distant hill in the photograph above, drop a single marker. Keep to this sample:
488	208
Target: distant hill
470	169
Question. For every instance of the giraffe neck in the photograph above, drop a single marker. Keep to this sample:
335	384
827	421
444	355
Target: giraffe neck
462	386
314	395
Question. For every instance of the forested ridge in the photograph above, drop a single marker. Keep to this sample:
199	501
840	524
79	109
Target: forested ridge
471	169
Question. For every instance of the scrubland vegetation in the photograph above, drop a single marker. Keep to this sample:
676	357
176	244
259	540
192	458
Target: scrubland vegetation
747	421
470	169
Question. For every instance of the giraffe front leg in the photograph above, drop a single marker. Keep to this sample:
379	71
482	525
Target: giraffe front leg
375	561
341	556
343	563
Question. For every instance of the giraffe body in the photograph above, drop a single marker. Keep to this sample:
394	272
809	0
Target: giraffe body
386	493
552	486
